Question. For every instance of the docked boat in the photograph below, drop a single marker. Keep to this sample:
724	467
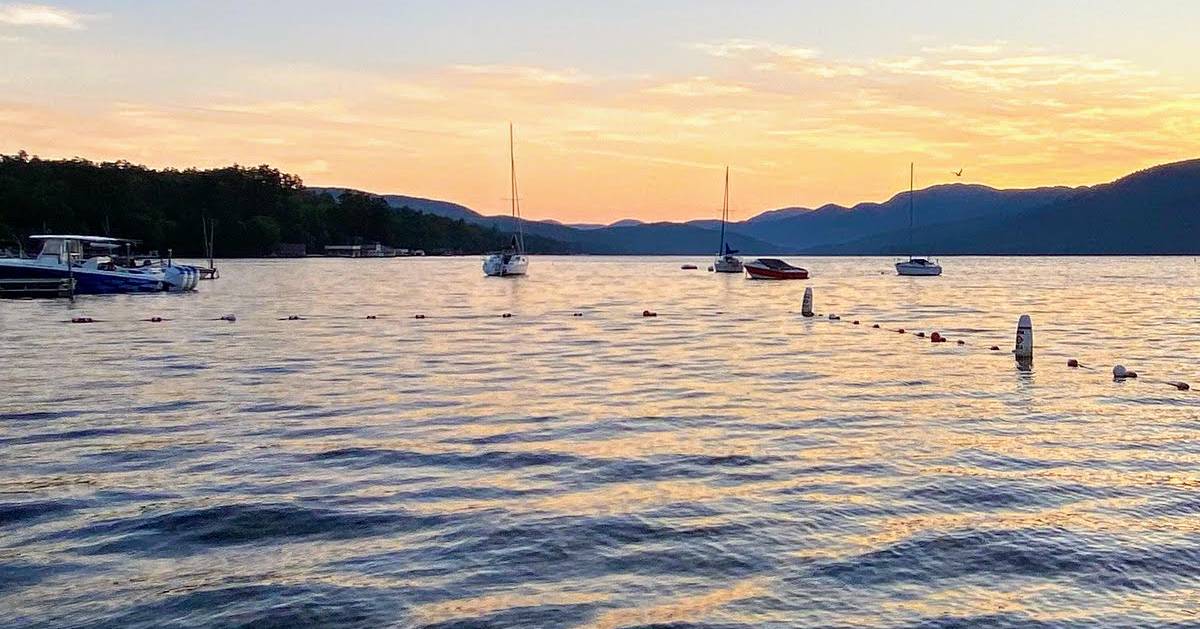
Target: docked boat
512	260
915	267
726	261
774	269
85	263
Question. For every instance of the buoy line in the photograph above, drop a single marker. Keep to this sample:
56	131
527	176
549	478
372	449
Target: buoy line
1023	347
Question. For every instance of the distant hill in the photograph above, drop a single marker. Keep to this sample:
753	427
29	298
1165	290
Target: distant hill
1147	212
799	229
665	239
428	206
786	230
627	236
782	213
1154	211
546	229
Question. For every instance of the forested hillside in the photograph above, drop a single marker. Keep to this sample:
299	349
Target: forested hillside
255	209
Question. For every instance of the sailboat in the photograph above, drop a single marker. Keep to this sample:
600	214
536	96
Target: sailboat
511	260
726	262
915	266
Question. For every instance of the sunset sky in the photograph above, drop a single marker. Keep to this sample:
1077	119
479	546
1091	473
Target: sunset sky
621	110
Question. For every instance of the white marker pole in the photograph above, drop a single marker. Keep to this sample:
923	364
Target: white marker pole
806	309
1024	346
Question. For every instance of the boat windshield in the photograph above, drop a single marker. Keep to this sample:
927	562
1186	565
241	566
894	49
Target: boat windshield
56	248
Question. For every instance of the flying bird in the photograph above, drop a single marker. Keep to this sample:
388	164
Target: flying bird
959	173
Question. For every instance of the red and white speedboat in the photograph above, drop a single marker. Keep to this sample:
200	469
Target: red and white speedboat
774	269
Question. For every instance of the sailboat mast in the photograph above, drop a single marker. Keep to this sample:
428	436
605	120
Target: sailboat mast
724	213
910	211
516	206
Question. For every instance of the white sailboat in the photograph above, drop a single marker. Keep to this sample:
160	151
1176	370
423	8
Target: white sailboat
511	260
915	267
726	262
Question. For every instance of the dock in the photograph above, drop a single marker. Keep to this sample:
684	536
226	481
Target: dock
31	288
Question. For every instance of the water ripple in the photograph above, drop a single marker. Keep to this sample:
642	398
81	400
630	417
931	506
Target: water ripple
725	464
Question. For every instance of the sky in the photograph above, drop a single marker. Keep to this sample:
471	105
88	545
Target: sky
622	109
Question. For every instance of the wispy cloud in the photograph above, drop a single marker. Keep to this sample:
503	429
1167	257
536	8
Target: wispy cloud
524	74
797	126
697	86
746	47
41	15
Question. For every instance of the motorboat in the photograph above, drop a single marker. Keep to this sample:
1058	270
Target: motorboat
915	267
774	269
726	261
918	267
87	263
511	261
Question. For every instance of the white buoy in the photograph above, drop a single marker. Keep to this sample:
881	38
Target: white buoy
1024	345
806	309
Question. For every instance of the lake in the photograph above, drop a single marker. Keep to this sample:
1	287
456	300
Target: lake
727	463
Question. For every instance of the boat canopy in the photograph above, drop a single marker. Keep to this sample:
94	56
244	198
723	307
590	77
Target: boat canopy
774	263
82	238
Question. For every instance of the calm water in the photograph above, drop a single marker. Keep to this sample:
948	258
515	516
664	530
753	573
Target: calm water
726	464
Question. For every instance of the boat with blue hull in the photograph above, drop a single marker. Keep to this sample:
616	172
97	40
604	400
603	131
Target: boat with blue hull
81	259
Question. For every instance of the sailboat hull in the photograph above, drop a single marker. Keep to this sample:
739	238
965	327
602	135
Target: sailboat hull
728	264
918	268
499	265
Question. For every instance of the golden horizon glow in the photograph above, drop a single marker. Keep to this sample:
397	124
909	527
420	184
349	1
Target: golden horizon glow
797	126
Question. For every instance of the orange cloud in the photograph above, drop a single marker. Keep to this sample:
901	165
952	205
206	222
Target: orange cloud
797	126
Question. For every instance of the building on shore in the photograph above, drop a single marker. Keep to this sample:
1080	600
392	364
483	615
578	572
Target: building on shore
374	250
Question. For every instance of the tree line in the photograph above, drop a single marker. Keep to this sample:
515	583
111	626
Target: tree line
255	209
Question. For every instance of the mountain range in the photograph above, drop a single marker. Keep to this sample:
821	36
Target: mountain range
1154	211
